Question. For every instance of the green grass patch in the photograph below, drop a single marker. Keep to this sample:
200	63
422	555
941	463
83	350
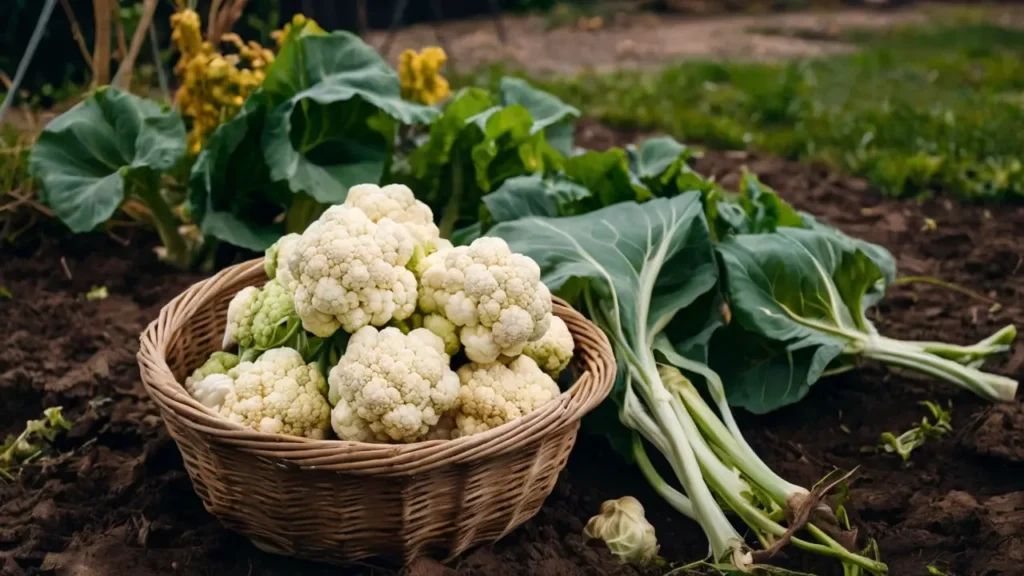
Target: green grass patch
917	111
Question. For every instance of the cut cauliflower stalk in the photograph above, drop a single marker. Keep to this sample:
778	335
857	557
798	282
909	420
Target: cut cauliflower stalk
241	310
391	386
494	297
351	272
553	351
209	384
279	394
493	394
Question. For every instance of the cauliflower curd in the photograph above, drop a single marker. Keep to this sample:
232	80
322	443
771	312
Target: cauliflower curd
350	272
493	394
495	297
391	386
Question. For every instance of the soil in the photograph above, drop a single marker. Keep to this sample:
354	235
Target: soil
117	498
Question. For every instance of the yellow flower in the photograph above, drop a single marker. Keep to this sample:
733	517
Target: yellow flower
213	85
420	75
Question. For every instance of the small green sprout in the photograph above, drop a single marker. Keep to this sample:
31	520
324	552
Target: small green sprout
97	293
905	443
33	443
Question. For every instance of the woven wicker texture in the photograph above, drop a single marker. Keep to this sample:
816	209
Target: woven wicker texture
338	501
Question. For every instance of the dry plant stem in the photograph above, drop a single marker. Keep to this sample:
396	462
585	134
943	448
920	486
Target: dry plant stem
101	47
211	20
222	21
122	43
124	71
76	32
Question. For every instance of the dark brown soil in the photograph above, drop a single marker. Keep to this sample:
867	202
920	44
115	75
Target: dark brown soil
118	499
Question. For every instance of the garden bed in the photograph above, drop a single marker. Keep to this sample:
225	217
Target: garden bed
119	501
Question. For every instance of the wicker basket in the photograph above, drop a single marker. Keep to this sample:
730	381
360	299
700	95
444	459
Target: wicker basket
338	501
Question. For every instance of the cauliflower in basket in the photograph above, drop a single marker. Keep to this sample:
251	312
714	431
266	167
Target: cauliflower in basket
391	386
279	394
275	261
239	323
397	203
553	351
209	384
351	272
493	296
493	394
274	320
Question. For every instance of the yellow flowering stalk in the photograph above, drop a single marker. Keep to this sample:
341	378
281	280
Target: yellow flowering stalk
420	75
213	85
299	22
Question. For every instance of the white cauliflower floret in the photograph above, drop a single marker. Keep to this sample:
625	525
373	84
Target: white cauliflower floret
275	261
241	310
213	390
493	394
351	272
391	386
209	384
495	297
553	351
397	203
279	394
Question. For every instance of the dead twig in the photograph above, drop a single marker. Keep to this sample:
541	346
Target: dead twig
101	47
64	265
76	33
124	71
122	44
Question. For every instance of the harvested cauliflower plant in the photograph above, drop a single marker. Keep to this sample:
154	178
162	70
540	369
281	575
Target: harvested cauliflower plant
373	327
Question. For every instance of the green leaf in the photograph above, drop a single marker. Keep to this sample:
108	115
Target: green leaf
550	115
606	174
634	266
533	195
657	157
85	158
793	295
230	192
337	127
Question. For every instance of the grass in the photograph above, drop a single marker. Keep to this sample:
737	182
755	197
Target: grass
917	111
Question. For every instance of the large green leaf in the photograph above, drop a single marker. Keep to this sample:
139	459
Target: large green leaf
87	158
606	174
550	115
633	266
337	129
230	192
793	295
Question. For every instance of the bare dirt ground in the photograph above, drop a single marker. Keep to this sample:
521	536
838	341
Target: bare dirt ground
647	39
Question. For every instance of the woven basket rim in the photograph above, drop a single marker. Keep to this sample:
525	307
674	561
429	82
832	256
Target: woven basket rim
590	388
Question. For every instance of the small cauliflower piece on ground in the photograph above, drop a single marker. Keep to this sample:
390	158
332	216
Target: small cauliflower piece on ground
351	272
397	203
493	296
493	394
241	310
553	351
391	386
209	384
279	394
275	260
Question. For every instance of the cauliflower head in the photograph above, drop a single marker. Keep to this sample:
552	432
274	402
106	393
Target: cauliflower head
241	310
391	386
493	394
209	384
397	203
274	320
351	272
279	394
275	260
553	351
493	296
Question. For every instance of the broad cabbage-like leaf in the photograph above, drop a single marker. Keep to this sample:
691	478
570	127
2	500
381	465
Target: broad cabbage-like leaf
633	266
337	126
792	295
88	159
550	115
